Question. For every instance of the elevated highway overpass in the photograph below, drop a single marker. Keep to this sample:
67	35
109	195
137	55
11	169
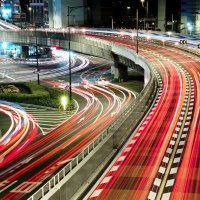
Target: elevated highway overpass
121	51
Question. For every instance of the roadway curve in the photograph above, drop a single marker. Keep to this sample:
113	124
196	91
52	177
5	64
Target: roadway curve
161	160
25	70
24	169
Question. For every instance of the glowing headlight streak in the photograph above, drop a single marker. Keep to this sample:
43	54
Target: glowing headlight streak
18	130
78	63
87	115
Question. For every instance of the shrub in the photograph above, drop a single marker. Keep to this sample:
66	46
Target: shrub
32	93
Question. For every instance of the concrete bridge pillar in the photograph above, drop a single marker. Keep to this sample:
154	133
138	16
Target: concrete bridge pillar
25	52
119	71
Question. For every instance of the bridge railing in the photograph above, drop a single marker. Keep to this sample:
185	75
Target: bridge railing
90	149
68	170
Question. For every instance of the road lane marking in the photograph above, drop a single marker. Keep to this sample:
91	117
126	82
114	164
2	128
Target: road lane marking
96	193
26	187
7	185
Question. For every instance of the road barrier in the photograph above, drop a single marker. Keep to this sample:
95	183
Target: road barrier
104	142
67	172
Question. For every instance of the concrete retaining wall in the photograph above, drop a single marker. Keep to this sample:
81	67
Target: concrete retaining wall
82	44
80	182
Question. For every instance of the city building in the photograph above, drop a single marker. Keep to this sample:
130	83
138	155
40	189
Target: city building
9	8
100	13
58	13
38	12
190	17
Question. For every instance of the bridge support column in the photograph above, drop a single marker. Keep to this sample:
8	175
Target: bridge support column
120	72
25	52
146	77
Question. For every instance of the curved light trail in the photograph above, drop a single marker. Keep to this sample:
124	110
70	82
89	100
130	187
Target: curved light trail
22	130
159	162
46	154
147	166
78	63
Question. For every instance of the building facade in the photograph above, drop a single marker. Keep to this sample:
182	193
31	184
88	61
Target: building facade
162	15
8	8
82	13
190	17
38	11
58	13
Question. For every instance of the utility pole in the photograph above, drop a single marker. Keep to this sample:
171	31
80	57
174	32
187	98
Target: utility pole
137	30
36	46
69	10
112	23
69	47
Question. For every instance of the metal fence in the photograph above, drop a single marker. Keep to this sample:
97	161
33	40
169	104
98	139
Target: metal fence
89	150
69	169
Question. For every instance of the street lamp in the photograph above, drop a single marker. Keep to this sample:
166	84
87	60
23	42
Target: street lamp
64	102
169	34
172	22
30	10
137	30
112	23
189	27
36	46
147	13
69	10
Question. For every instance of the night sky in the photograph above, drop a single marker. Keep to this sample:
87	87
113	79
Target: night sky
173	6
118	8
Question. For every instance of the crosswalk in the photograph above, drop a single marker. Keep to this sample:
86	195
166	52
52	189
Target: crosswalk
47	118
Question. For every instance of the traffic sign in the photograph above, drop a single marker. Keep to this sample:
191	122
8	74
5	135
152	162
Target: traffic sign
183	41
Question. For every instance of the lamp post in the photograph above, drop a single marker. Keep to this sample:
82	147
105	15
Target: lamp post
147	13
169	34
112	23
30	9
36	46
69	58
144	16
189	28
137	30
137	34
69	10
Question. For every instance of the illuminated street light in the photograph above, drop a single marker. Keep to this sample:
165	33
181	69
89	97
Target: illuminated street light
69	10
169	33
30	10
4	45
142	2
148	37
121	33
163	42
64	102
147	13
83	30
188	24
36	46
190	28
137	30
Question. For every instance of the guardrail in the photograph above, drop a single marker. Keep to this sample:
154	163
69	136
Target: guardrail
90	148
68	168
32	61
